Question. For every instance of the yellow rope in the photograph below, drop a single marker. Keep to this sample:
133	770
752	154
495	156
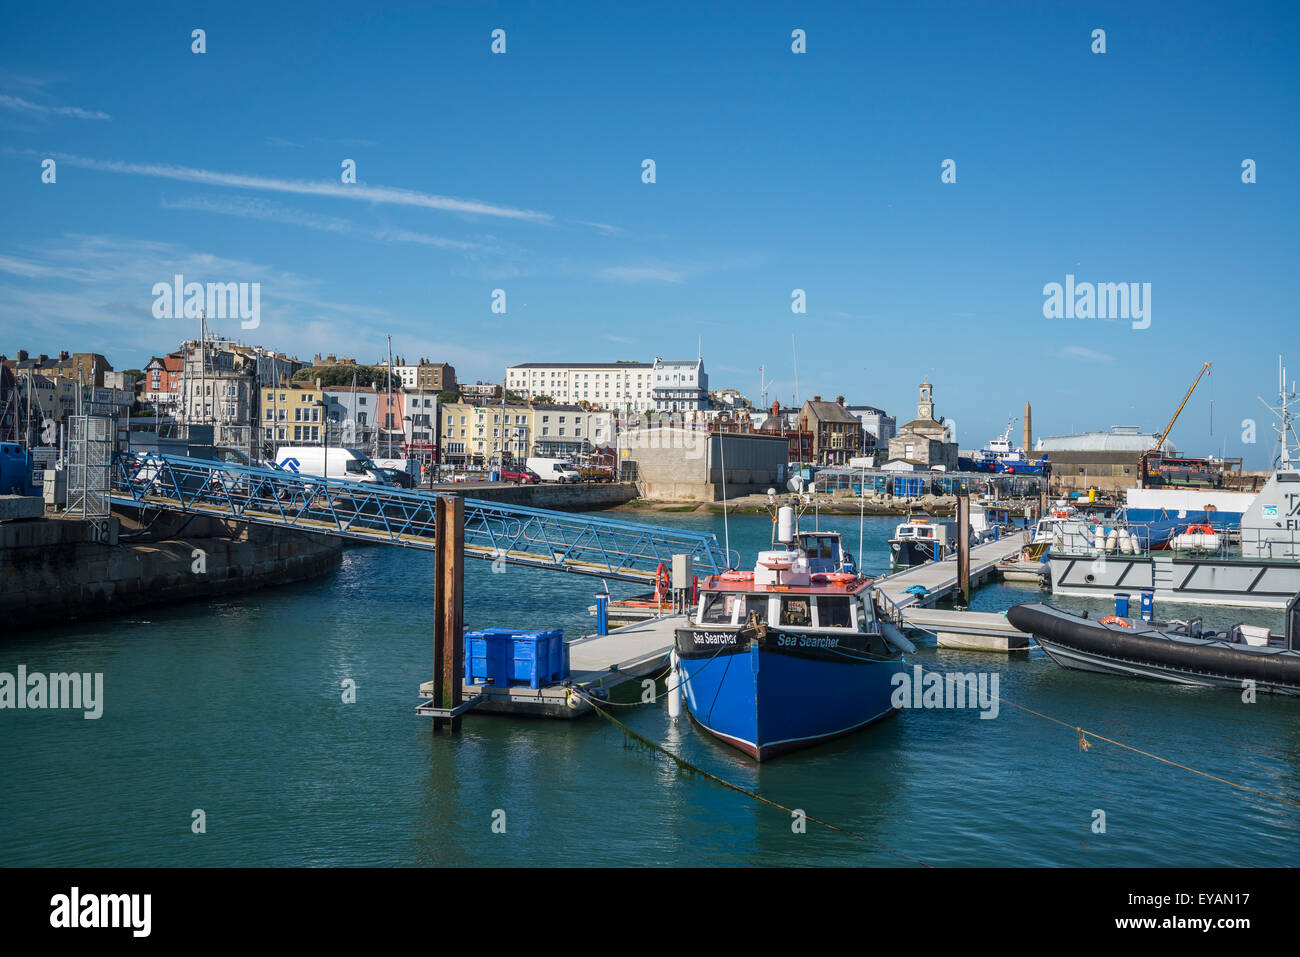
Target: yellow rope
1085	745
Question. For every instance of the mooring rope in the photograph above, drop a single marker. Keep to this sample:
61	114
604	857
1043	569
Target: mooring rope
696	769
1085	744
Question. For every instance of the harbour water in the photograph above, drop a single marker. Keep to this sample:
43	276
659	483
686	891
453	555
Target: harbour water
235	708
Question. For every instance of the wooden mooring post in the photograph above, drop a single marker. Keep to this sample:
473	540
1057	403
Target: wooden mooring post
449	610
963	547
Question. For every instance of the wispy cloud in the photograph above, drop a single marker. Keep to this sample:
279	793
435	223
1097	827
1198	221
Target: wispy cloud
357	192
1080	352
24	267
602	227
274	213
642	274
18	103
279	141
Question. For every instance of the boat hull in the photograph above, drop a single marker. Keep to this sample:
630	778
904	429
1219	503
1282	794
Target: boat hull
783	692
905	553
1142	651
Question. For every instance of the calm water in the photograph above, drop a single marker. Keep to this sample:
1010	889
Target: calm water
234	707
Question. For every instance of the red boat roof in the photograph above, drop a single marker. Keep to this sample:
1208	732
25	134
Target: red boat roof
819	585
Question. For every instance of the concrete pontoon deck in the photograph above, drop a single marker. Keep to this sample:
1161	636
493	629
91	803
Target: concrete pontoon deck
597	664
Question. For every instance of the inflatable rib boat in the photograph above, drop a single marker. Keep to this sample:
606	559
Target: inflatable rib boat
1179	652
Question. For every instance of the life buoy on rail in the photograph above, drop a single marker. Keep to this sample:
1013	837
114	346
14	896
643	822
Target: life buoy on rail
661	582
1116	620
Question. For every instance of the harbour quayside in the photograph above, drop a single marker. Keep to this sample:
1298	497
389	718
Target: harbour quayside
791	654
1182	652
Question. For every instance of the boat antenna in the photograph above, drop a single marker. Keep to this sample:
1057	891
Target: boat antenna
862	506
726	529
794	351
1285	430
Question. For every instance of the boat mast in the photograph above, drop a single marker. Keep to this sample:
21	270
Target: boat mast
389	413
1284	428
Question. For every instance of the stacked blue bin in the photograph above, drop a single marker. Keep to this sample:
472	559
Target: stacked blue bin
510	657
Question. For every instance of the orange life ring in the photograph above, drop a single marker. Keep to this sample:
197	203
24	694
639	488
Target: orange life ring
1116	620
841	577
1202	529
662	582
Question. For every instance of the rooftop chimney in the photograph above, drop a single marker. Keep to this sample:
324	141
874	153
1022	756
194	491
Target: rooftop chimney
22	355
817	398
839	399
63	355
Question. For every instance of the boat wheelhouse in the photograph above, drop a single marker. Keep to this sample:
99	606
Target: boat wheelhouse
920	540
790	654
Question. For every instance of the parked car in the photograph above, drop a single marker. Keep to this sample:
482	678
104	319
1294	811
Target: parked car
520	476
398	477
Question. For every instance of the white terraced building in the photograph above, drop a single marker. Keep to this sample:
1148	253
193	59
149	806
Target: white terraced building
680	385
609	385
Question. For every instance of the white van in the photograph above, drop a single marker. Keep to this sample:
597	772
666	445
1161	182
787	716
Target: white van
554	470
341	463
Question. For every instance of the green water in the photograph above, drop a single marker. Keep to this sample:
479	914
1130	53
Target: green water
234	707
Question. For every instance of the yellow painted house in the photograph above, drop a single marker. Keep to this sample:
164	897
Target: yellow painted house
293	412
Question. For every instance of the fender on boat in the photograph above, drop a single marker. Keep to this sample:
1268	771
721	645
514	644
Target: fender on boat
893	635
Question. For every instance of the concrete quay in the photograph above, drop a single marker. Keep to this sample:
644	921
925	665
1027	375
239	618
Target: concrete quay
54	570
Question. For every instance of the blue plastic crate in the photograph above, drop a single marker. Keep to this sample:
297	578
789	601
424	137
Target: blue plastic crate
513	657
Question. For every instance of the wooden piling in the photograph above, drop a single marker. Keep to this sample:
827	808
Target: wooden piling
963	547
449	608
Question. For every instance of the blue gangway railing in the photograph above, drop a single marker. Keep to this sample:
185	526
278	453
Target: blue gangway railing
540	538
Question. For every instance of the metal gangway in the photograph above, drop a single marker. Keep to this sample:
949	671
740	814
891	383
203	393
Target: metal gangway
534	537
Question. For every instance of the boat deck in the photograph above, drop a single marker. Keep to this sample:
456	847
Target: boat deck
597	664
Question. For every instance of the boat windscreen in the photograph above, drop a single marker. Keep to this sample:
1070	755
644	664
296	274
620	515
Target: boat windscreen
833	612
795	611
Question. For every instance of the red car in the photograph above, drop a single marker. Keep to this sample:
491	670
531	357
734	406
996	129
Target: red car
523	476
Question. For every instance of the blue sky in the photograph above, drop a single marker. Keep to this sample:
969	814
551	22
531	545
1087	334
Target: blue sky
775	171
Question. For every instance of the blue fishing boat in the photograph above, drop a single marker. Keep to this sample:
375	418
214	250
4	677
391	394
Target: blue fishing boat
791	654
1000	458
